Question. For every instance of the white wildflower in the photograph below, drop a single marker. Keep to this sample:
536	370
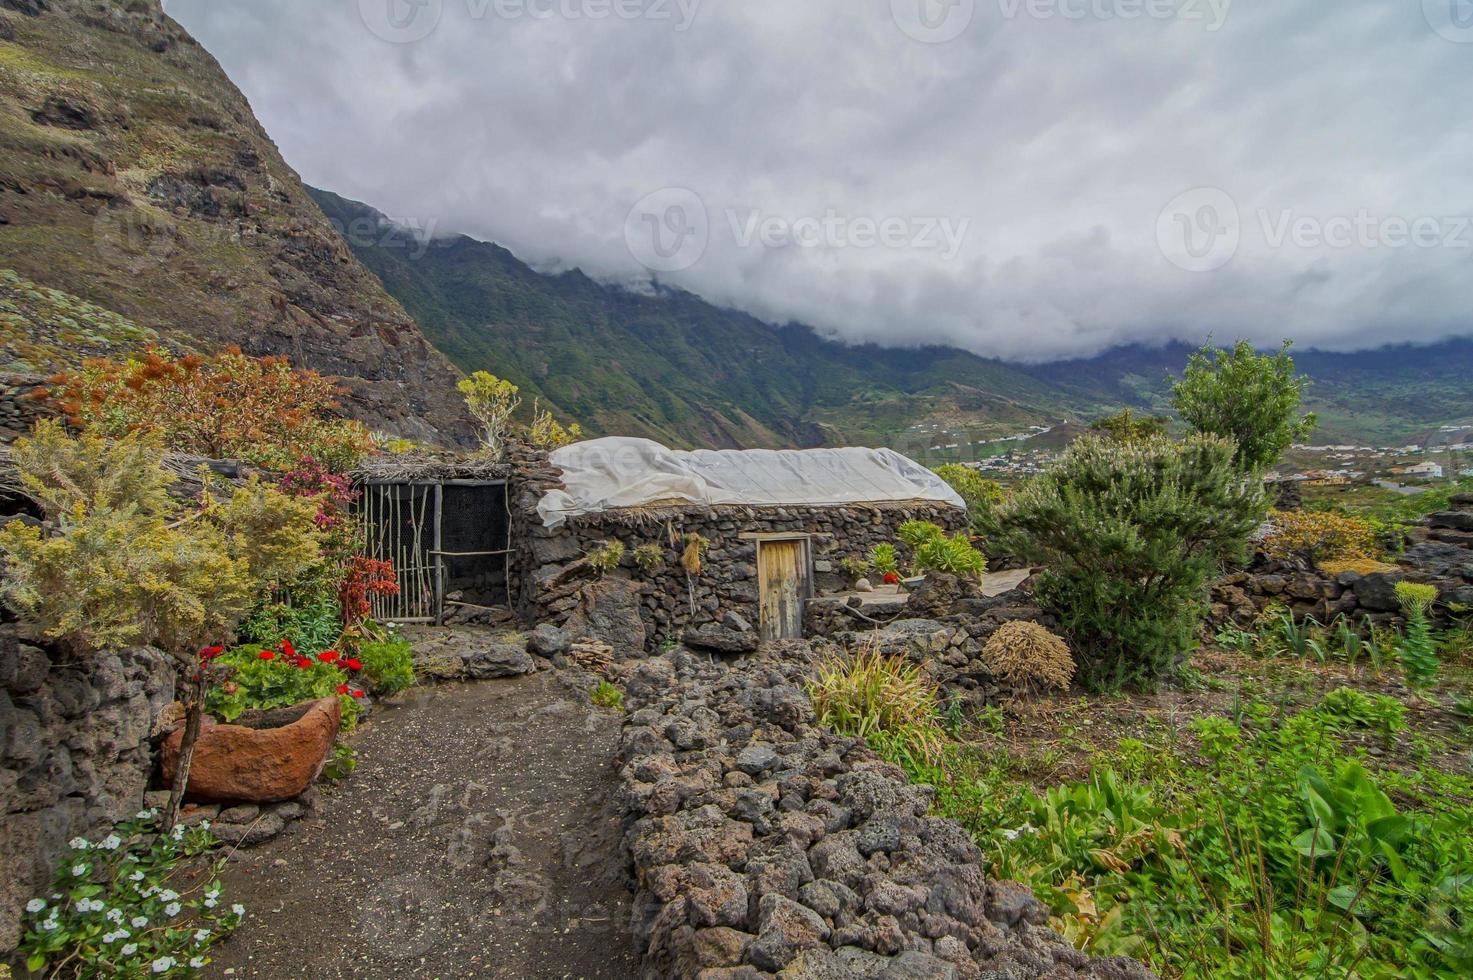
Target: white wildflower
172	909
204	825
78	870
115	915
136	876
35	905
164	964
211	901
200	935
197	963
178	832
238	909
78	844
111	842
168	895
139	921
50	924
129	949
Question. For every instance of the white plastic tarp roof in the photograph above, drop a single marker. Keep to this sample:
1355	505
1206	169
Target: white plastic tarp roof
607	474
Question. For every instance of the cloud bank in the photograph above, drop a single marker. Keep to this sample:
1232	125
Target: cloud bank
1029	179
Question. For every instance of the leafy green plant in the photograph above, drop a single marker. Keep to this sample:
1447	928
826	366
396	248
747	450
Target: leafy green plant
341	763
261	682
954	555
1418	650
606	695
492	401
387	665
882	558
914	534
980	494
1131	534
314	624
854	568
139	902
1377	711
606	557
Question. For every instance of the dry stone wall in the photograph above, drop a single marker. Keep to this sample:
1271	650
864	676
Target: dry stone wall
75	755
19	406
763	845
671	601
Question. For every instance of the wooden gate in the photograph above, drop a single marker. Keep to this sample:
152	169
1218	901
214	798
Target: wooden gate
784	581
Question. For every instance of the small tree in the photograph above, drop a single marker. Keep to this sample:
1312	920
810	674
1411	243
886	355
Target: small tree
1251	398
127	564
1131	534
548	432
1127	426
492	401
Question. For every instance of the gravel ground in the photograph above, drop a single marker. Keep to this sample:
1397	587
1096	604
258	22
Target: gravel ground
477	838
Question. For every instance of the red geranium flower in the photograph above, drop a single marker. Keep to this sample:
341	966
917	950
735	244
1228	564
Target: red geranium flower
357	694
267	654
328	656
210	653
353	663
288	649
304	663
342	689
892	578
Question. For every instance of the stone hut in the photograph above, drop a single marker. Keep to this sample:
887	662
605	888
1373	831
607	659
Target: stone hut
725	546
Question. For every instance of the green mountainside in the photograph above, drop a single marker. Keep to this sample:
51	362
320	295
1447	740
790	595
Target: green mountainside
140	198
675	368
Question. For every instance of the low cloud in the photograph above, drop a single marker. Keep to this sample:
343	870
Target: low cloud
1024	178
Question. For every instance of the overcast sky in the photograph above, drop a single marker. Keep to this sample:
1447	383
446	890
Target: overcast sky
1024	178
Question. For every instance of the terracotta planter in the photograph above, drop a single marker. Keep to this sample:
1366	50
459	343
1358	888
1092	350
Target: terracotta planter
265	757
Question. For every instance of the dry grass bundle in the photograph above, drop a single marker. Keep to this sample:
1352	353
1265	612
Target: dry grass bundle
1027	655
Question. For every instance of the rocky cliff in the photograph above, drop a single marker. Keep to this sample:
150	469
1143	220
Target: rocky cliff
134	176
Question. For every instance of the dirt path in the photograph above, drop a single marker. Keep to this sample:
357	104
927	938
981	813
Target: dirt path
478	837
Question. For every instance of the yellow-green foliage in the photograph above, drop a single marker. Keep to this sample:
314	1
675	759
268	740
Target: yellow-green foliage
127	564
606	695
548	432
606	557
649	556
979	493
878	698
954	555
1361	566
1415	598
1028	656
492	401
1318	536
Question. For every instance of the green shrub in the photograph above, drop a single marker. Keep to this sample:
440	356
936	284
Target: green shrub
954	555
388	665
606	695
263	684
1131	534
342	763
649	556
138	903
854	568
1377	711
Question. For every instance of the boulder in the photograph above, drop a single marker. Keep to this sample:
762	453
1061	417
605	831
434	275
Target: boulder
609	610
719	639
496	661
938	596
1458	520
1377	592
548	641
240	764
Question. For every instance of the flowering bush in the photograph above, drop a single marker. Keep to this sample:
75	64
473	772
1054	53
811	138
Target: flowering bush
133	904
493	401
547	432
1318	536
364	578
227	406
263	678
333	494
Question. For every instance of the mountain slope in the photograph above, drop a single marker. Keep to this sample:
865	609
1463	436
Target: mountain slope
134	176
674	367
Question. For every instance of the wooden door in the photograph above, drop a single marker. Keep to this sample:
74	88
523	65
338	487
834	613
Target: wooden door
782	574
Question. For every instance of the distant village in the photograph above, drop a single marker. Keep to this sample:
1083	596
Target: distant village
1408	469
